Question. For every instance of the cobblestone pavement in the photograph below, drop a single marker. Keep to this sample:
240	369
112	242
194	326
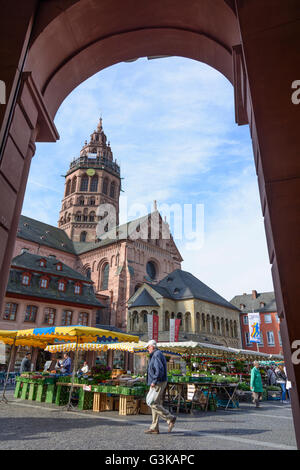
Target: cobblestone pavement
31	425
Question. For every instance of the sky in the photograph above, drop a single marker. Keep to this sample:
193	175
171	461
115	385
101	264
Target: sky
172	130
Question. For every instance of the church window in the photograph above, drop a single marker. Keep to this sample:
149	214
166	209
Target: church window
74	182
112	189
81	201
68	188
105	276
105	186
94	184
92	201
151	270
92	217
83	236
84	183
78	216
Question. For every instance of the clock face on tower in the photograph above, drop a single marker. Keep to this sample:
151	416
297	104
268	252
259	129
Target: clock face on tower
90	172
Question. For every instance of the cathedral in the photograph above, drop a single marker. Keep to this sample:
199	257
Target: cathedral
117	261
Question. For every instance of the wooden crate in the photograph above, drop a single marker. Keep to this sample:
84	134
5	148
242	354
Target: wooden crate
144	408
102	402
128	405
116	403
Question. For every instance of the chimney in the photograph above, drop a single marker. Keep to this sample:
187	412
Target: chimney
254	294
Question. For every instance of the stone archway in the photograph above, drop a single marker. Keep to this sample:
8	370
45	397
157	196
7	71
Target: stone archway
54	46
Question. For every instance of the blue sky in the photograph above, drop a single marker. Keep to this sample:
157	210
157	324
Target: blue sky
172	130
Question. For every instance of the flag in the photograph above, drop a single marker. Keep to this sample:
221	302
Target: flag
254	327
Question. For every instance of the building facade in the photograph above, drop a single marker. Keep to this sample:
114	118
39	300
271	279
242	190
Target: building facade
265	304
121	257
205	315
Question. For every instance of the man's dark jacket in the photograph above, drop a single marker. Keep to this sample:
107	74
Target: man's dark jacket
157	368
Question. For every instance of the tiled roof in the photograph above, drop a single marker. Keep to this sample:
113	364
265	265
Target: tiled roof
144	300
180	285
44	234
268	298
29	262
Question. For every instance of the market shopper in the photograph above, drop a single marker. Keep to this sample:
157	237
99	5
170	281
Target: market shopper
66	366
281	381
157	379
271	376
256	384
26	363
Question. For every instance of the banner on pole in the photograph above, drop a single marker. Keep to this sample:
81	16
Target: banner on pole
155	328
150	326
172	330
254	327
177	326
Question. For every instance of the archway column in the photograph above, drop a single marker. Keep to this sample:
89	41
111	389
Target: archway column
271	64
30	123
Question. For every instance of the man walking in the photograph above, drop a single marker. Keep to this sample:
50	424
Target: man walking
256	384
157	379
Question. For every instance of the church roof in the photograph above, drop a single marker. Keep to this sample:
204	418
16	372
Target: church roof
44	234
181	285
144	300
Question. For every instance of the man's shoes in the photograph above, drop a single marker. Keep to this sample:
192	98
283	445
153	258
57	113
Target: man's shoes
151	431
171	424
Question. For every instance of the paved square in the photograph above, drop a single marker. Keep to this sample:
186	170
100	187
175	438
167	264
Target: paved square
31	425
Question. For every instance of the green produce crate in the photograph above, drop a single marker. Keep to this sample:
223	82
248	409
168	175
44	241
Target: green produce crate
85	401
32	391
18	389
41	393
62	395
24	392
50	393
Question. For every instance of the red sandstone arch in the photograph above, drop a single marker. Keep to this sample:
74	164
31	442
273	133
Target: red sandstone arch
54	46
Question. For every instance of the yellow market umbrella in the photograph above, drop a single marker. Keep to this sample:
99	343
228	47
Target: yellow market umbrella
82	334
130	347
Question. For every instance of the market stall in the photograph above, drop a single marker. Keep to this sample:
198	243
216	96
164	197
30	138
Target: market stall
41	337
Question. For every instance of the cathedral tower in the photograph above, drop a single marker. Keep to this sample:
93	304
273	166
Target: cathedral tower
92	179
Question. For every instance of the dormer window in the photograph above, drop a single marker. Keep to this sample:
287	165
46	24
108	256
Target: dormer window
59	267
62	285
77	288
242	306
176	290
43	263
26	279
44	282
262	304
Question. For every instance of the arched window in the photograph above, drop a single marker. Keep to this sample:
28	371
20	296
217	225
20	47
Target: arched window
151	270
84	185
83	236
68	188
105	186
94	184
167	321
74	182
92	201
88	273
112	189
78	216
187	325
198	323
104	277
81	201
92	217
